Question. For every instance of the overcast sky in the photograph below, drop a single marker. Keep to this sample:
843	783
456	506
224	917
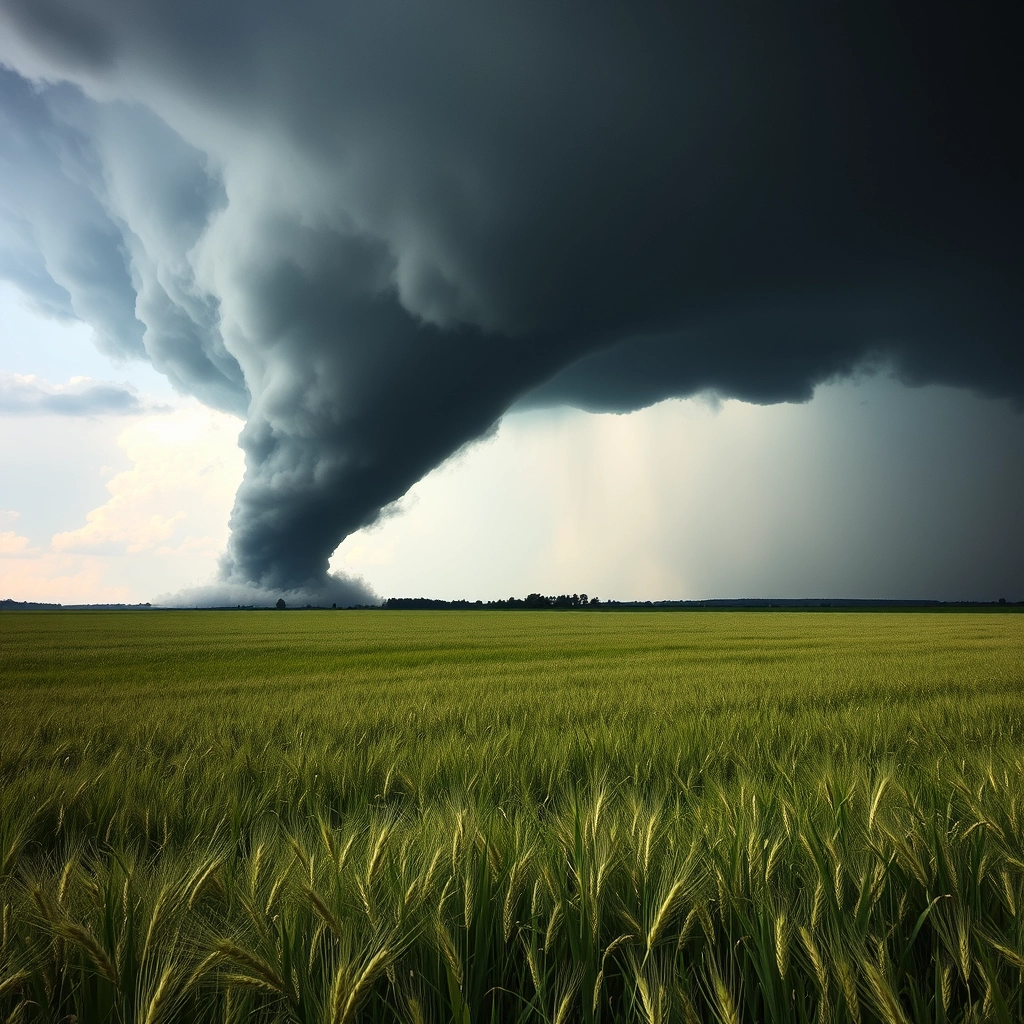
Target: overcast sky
454	300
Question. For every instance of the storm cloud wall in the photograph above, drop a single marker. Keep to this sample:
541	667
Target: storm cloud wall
372	227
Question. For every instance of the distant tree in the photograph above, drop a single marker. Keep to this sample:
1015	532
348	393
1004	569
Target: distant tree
280	603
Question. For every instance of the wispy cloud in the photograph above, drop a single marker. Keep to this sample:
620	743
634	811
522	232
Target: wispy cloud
28	395
13	545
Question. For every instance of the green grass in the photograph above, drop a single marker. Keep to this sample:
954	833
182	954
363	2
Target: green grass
545	817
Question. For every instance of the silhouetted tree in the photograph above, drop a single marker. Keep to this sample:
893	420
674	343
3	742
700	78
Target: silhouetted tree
280	603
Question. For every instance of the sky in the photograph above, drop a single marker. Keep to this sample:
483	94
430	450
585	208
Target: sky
388	299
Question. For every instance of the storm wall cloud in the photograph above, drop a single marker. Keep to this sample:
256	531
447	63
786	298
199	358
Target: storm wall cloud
371	228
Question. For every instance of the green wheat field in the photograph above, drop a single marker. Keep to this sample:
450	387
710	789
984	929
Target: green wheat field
511	817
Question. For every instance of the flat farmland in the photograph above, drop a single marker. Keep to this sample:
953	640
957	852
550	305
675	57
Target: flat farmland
511	816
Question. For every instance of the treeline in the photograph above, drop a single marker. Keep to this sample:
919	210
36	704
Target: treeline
529	603
534	602
9	605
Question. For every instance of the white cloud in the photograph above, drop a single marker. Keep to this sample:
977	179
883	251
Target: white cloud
61	579
111	529
163	525
12	545
184	466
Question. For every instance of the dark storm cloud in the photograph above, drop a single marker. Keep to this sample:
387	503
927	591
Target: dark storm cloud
58	242
380	224
27	396
99	205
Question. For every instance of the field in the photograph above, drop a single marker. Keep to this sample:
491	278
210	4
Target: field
479	817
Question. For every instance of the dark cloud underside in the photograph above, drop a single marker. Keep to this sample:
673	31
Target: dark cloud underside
377	225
